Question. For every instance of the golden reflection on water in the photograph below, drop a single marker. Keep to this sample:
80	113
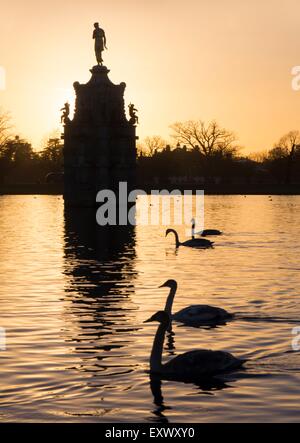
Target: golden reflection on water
73	299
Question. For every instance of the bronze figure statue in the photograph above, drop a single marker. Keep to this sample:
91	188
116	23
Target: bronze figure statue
65	113
100	42
132	113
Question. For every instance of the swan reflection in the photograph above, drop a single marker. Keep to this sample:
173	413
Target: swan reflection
204	387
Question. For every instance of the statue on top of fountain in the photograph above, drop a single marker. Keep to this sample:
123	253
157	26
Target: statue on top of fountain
100	42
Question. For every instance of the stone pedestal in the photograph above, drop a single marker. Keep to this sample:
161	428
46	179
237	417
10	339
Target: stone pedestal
99	143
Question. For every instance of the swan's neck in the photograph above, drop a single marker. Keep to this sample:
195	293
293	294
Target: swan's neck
170	299
193	230
176	237
157	349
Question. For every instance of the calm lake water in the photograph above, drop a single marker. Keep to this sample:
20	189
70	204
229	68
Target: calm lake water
73	302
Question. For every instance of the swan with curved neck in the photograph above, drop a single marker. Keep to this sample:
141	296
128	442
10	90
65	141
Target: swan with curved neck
195	315
192	364
205	232
192	243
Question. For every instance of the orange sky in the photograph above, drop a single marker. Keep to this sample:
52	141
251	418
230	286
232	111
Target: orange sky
225	59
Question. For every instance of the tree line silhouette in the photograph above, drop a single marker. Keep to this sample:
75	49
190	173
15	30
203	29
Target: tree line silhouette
209	154
20	163
200	153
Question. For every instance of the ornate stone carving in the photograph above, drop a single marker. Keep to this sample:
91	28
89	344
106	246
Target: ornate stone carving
134	120
98	140
65	113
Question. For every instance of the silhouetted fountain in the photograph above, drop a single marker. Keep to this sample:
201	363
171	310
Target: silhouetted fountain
100	142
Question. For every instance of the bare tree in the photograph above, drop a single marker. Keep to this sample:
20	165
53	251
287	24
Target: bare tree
288	142
286	148
259	156
208	138
151	144
5	128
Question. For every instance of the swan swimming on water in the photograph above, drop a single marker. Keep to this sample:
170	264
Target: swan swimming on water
205	232
195	315
190	365
192	243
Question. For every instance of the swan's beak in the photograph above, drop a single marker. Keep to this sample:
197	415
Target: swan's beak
148	321
162	286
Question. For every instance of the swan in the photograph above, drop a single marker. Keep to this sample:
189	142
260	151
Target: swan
205	232
192	243
195	315
190	365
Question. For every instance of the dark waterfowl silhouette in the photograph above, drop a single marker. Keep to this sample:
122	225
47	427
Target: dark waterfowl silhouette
208	232
195	315
192	243
191	365
205	232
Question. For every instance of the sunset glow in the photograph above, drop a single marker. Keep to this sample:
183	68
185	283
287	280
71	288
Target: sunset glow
228	60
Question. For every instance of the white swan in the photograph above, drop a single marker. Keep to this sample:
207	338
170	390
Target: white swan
190	365
192	243
205	232
195	315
